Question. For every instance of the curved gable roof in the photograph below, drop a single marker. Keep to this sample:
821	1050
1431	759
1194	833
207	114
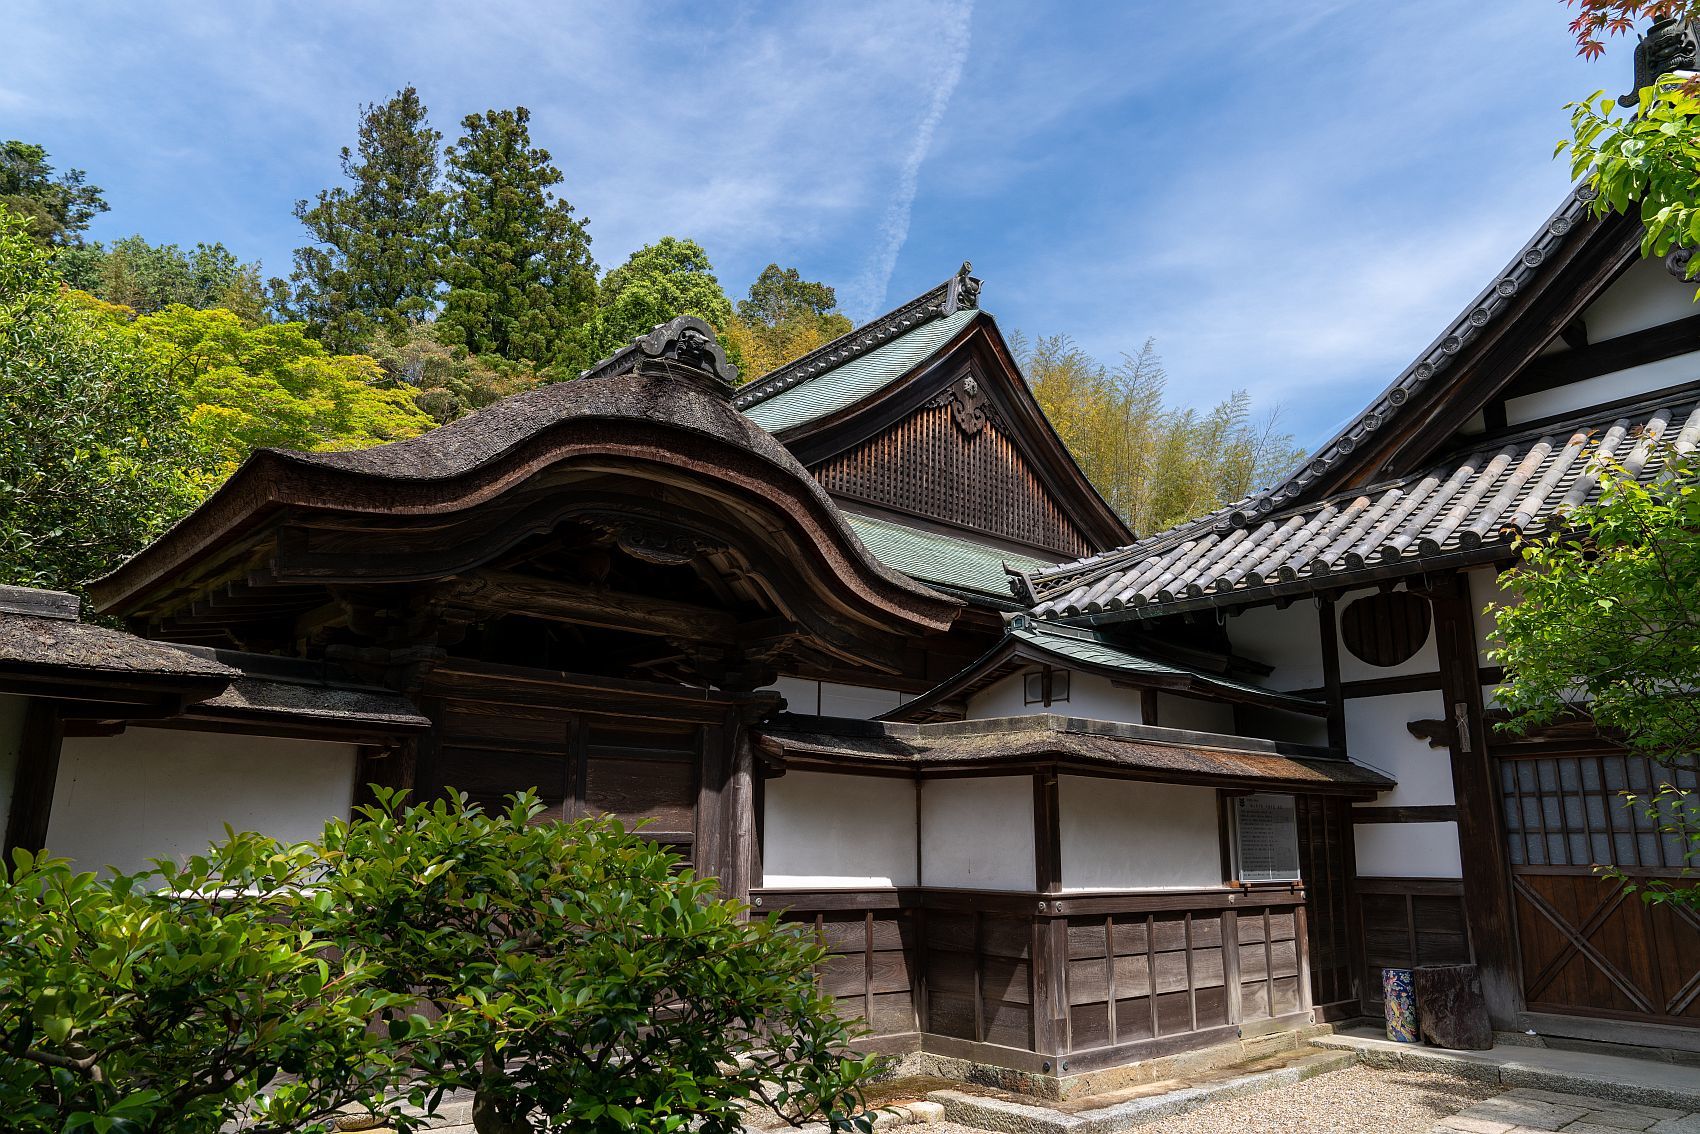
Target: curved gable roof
659	410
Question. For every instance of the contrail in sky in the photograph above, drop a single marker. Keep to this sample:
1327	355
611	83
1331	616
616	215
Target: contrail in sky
894	230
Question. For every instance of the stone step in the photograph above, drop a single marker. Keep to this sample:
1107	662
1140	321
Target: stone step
1013	1117
1614	1077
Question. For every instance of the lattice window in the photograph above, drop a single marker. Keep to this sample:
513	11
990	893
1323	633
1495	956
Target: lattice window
1570	811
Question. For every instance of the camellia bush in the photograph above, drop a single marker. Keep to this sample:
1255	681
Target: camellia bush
189	998
586	978
573	976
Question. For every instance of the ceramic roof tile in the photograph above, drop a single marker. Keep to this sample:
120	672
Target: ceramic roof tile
1508	485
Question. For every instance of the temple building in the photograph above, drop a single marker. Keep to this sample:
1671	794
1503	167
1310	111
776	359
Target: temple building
860	639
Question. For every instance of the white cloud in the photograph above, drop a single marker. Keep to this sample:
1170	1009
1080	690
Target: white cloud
868	297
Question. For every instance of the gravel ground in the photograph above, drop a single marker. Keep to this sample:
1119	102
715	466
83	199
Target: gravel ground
1357	1100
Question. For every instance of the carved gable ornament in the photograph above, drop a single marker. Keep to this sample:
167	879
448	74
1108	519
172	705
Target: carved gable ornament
969	406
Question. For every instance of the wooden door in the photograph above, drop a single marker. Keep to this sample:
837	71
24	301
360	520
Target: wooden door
1588	945
579	764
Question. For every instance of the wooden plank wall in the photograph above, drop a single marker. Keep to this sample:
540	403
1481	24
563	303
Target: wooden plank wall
1328	865
1099	981
873	956
1407	922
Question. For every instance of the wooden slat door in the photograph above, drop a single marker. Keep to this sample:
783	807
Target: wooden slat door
1589	946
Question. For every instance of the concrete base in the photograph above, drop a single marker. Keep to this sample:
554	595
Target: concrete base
1644	1081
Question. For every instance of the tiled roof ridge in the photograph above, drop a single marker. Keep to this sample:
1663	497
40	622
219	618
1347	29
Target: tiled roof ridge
1483	310
956	293
1487	493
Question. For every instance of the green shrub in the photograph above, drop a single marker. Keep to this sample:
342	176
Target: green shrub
184	998
586	979
572	975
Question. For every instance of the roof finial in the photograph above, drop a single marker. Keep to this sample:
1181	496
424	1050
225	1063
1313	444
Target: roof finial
967	287
683	347
1669	45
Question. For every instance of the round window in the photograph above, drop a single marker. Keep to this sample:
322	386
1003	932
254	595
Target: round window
1385	629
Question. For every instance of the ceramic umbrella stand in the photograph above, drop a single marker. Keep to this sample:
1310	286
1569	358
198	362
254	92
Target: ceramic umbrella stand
1399	1005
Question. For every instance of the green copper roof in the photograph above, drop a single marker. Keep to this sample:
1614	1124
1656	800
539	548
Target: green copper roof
934	557
1088	648
832	390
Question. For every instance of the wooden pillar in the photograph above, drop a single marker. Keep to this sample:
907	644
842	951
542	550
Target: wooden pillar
740	849
37	775
388	766
1481	840
1050	932
1328	634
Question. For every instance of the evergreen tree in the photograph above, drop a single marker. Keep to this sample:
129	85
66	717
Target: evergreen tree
518	268
148	277
658	282
784	318
55	210
373	263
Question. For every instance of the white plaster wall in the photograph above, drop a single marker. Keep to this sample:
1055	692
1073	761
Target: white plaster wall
1425	660
1408	850
1485	592
11	737
1175	711
1604	388
855	701
1127	835
978	833
801	695
830	699
1376	735
1286	639
1646	295
823	831
1297	728
1090	695
164	793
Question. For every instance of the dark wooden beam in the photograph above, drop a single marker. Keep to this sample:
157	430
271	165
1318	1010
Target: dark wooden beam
1047	833
1481	842
1680	336
1434	813
511	593
37	775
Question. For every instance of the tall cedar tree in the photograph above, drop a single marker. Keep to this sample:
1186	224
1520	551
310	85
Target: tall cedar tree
521	280
55	210
373	264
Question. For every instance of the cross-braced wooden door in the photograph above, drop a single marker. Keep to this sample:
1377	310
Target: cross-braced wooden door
1588	945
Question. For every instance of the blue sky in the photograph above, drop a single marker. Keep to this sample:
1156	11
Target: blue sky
1291	197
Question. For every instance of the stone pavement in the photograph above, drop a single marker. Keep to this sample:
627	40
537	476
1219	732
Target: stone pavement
1525	1110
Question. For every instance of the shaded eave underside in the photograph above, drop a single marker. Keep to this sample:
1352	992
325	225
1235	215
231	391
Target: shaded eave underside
1037	646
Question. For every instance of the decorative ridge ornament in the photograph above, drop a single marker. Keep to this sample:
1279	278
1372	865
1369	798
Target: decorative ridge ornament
1669	45
964	290
959	293
684	347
